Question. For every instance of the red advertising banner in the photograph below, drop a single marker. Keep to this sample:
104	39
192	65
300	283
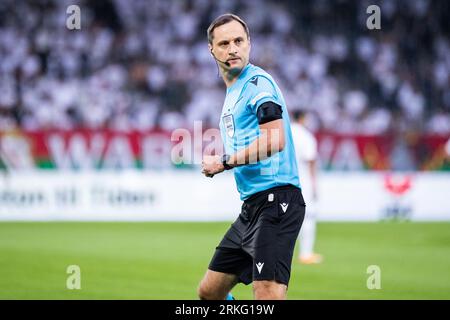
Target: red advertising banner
106	149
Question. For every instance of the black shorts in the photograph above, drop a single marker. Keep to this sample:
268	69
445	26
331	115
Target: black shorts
259	245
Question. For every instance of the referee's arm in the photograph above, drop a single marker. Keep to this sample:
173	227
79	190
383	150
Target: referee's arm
270	141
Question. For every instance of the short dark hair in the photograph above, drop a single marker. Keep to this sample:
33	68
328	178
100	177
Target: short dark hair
298	114
223	19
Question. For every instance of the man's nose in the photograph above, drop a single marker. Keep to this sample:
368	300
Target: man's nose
233	48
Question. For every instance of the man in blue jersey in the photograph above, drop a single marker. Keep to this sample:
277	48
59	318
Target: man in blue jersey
256	132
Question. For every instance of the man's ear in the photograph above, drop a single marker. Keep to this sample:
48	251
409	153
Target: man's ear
210	48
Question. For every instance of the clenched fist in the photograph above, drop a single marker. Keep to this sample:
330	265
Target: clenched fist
212	165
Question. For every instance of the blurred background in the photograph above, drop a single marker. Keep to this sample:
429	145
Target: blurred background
109	95
87	119
136	65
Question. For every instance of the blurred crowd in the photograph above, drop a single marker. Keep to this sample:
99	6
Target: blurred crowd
137	65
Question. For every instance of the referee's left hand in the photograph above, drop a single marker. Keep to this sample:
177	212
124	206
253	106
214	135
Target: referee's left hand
212	165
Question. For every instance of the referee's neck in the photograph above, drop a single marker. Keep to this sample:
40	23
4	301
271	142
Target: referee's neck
230	76
229	82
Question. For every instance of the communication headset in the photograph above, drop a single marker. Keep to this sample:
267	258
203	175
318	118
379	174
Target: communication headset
223	62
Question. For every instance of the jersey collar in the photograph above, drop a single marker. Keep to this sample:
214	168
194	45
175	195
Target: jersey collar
241	76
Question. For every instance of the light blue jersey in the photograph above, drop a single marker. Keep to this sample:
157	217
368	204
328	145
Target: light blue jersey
239	127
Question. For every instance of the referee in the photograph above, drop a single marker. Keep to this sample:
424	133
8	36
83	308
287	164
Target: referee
255	129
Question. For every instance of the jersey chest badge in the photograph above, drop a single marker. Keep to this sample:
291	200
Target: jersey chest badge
228	123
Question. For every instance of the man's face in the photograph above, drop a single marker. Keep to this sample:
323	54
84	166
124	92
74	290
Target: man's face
231	44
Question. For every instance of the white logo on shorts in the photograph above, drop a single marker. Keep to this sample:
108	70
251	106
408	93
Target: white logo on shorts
284	206
259	265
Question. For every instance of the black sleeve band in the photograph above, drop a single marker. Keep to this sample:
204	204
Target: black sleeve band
269	111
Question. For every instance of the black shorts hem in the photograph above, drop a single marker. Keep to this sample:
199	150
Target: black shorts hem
213	268
240	278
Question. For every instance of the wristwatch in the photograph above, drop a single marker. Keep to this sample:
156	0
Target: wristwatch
225	159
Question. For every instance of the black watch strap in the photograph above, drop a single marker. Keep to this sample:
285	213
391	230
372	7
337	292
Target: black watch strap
225	159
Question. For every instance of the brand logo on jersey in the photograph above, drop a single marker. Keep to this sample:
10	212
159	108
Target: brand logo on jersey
228	123
284	206
254	81
259	266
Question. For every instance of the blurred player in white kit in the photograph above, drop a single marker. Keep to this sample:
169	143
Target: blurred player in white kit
306	152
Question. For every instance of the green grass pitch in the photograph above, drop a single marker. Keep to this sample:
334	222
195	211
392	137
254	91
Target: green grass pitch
167	260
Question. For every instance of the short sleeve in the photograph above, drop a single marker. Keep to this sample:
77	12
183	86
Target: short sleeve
261	90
